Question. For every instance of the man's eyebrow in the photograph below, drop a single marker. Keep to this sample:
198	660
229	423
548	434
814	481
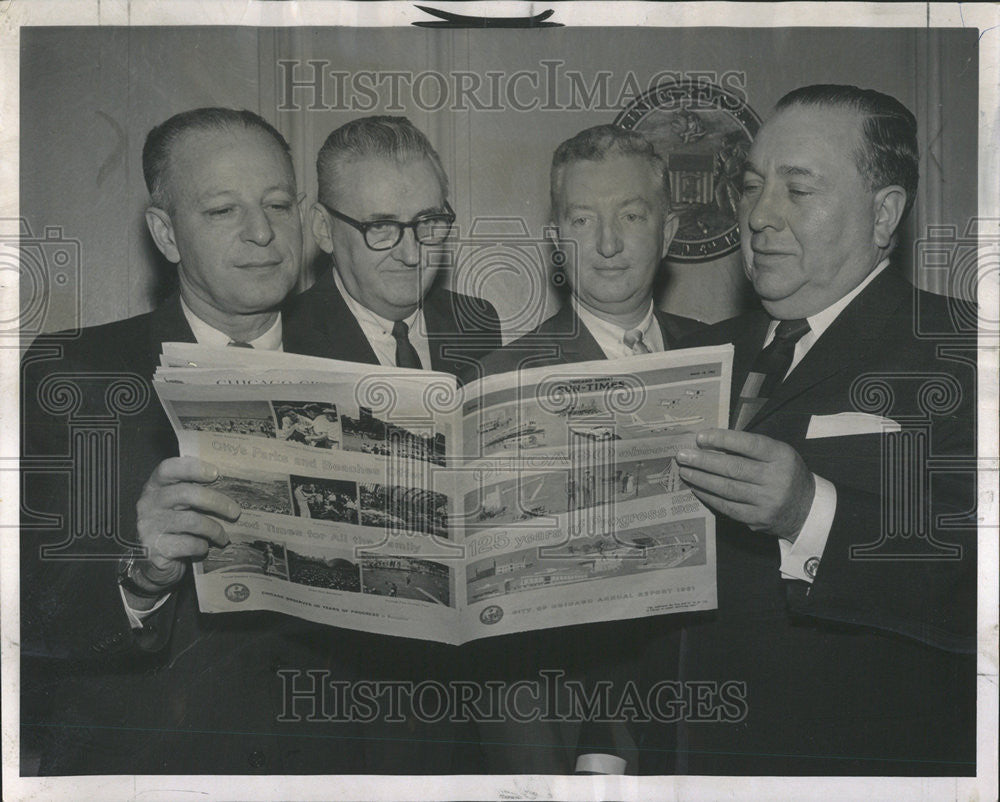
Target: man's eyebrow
221	191
785	170
431	210
621	204
801	172
213	193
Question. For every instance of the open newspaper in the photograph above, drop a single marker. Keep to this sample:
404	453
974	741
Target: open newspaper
393	501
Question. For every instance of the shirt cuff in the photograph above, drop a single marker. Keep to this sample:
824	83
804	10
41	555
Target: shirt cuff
136	617
800	560
597	763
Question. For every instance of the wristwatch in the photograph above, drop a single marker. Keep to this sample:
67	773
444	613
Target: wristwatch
143	588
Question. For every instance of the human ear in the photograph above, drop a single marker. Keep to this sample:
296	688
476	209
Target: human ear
671	222
161	228
888	204
321	227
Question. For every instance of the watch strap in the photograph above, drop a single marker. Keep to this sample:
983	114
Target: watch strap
127	570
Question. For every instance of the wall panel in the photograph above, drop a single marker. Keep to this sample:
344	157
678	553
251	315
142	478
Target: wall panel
89	95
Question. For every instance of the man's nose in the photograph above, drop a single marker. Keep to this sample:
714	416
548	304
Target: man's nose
609	241
407	250
257	227
763	211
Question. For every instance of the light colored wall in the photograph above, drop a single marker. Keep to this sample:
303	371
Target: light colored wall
90	95
88	98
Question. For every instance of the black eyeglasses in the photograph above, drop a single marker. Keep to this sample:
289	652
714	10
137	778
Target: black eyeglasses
381	235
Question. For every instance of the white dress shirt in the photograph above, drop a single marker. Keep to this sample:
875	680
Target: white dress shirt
378	330
209	336
811	541
801	559
611	337
204	334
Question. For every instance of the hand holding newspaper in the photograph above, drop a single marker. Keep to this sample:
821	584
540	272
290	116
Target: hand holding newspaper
393	501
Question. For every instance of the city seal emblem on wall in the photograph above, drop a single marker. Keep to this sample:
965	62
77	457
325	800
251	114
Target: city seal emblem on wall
237	592
491	614
703	132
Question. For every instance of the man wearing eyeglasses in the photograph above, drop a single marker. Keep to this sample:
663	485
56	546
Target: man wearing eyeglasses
382	207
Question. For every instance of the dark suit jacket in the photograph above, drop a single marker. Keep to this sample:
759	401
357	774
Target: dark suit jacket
871	669
460	329
190	693
587	653
563	340
83	366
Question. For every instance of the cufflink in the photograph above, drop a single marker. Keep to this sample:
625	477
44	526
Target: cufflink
811	567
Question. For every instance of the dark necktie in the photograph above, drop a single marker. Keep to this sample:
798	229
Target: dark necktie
768	371
238	344
406	354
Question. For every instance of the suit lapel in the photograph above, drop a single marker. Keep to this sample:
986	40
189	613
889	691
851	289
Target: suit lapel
750	340
442	330
331	330
666	330
853	334
577	343
167	324
672	332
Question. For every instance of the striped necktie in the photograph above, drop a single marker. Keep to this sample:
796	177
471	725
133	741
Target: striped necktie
768	371
633	340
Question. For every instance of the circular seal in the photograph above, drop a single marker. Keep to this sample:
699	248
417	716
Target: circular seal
491	614
237	592
703	133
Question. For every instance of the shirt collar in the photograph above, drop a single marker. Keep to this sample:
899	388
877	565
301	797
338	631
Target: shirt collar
366	315
210	336
604	329
822	320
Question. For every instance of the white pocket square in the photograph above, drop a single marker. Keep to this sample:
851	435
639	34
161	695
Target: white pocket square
844	424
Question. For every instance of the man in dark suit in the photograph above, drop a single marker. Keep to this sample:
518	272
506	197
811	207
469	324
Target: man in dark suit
845	488
125	676
611	206
610	203
383	199
382	206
